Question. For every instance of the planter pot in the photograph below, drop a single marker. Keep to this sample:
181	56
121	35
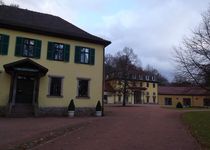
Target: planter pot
71	113
98	113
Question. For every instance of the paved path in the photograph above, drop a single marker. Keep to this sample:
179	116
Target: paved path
16	131
129	128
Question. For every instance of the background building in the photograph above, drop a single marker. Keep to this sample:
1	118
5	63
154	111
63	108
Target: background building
141	89
188	96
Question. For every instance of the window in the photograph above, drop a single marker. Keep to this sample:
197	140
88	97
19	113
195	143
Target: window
154	99
206	102
28	47
153	85
55	86
147	84
58	51
84	55
83	88
119	98
147	78
4	43
168	101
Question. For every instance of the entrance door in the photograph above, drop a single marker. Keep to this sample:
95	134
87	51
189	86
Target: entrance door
24	90
137	98
187	102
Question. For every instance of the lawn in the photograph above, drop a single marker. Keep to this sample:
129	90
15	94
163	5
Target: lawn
199	125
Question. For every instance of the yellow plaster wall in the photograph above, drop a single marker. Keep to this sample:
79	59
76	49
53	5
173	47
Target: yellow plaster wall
69	70
196	101
151	90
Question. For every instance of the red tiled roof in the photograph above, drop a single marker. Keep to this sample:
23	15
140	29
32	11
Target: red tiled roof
170	90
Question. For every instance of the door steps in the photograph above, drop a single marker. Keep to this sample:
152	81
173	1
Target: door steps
21	110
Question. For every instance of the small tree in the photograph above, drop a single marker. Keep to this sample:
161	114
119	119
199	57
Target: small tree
98	106
179	105
71	106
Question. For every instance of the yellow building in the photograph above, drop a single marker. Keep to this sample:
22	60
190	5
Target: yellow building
141	89
45	62
188	96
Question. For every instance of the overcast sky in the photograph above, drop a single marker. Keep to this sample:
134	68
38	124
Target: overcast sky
150	27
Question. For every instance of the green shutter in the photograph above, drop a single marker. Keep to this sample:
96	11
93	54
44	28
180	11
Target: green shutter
4	44
50	51
19	46
38	45
66	52
77	54
92	56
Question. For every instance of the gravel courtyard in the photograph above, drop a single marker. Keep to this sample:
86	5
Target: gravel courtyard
143	127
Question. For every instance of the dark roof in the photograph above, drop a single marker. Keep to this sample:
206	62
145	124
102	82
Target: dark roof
35	22
191	91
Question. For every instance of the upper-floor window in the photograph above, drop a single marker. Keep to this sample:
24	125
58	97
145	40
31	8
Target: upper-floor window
147	84
147	78
28	47
58	51
4	43
153	85
84	55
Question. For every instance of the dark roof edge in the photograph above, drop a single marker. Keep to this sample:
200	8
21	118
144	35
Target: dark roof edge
184	94
37	31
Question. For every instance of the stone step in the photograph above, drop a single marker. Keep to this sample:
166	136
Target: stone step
21	110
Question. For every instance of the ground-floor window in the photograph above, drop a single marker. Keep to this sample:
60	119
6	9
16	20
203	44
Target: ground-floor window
83	88
147	99
55	86
154	99
168	101
119	98
186	102
206	102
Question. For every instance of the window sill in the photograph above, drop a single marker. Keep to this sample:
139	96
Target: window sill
51	96
82	97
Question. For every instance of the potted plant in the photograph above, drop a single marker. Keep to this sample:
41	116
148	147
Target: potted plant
71	108
98	109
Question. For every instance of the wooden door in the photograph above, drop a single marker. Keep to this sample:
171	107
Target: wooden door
24	90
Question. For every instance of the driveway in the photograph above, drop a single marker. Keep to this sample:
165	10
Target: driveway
145	127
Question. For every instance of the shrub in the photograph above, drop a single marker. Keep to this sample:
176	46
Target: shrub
179	105
98	106
71	106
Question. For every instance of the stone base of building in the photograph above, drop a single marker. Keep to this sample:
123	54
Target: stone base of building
62	111
2	111
51	111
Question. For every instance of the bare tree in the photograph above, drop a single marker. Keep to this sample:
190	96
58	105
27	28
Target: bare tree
1	2
14	5
11	5
162	80
193	56
122	65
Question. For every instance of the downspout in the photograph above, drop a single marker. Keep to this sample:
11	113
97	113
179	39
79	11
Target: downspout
103	80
